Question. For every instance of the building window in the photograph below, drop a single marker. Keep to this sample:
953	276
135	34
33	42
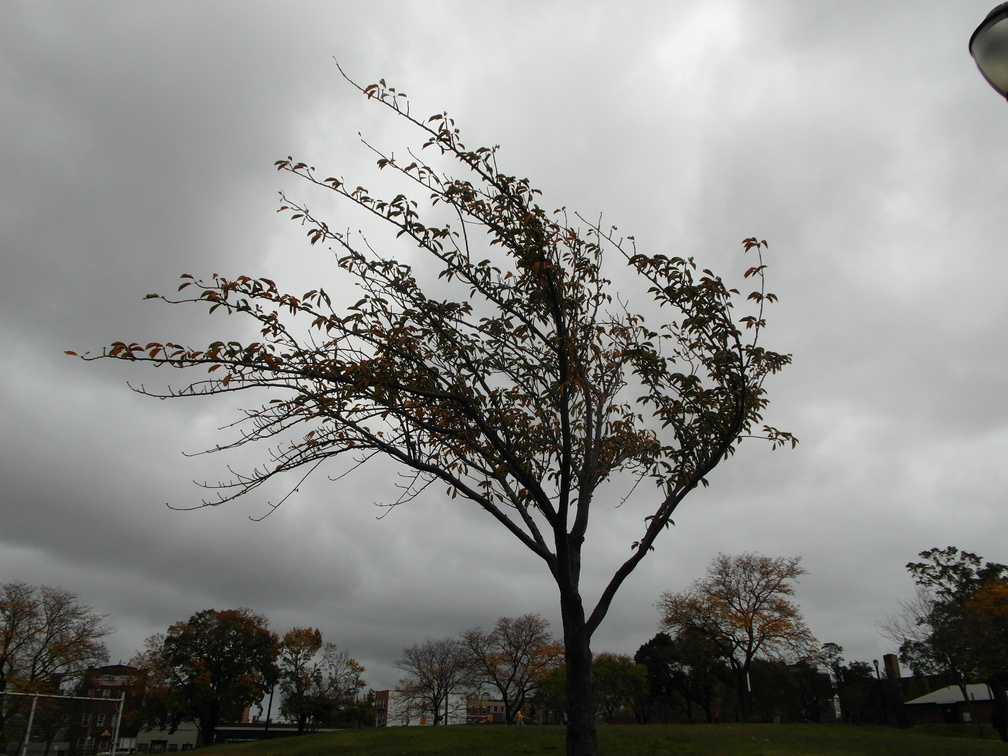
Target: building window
100	722
85	720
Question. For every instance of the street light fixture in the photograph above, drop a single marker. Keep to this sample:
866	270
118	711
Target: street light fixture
989	47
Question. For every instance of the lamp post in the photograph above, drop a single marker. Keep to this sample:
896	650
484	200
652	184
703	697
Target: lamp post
989	47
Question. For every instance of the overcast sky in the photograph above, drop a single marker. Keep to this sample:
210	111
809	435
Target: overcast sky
137	142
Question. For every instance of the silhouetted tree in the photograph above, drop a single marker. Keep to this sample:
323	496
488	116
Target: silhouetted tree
435	670
319	682
958	625
513	657
701	674
48	638
815	691
775	692
859	693
505	366
687	671
741	607
655	656
551	694
209	668
619	682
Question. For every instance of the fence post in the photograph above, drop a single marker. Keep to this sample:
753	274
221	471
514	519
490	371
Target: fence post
118	722
31	718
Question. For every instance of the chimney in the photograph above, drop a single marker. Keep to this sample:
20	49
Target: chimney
892	668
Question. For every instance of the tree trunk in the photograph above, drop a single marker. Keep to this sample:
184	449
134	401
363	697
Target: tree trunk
582	737
999	718
206	725
743	693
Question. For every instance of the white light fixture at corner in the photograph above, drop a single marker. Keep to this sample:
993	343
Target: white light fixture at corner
989	48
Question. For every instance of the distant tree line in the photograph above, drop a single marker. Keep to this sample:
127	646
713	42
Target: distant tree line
733	647
509	661
206	669
735	626
48	640
211	667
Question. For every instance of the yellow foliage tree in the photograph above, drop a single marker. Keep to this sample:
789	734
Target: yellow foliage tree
742	607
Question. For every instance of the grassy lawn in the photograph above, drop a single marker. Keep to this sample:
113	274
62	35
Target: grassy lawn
679	740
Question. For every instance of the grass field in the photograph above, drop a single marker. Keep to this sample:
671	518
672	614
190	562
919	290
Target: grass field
654	740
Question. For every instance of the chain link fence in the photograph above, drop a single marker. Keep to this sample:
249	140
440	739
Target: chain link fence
35	724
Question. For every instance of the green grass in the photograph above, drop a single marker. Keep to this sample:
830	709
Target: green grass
653	740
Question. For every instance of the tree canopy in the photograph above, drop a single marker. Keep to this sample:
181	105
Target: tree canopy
208	668
503	365
958	625
48	639
319	682
742	608
434	671
688	667
513	657
619	681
